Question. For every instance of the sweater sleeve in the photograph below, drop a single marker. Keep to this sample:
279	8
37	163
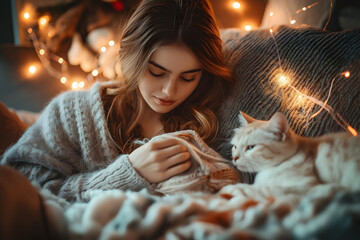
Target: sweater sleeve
69	151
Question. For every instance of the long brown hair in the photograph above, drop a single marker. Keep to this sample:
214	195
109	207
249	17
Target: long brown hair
153	24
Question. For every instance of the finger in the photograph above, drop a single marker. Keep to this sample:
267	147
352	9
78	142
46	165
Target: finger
162	143
177	169
176	159
168	152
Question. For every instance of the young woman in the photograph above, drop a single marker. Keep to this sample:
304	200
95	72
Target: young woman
173	73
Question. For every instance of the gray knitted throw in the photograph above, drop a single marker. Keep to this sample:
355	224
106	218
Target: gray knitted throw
311	58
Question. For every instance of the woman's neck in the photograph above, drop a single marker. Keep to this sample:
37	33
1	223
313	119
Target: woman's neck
150	123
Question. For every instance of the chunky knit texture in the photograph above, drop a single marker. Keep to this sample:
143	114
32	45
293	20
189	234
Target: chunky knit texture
310	58
69	150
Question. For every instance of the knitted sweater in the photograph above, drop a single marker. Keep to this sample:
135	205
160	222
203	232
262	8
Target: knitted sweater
69	149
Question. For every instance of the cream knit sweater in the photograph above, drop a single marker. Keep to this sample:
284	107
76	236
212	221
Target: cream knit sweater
69	150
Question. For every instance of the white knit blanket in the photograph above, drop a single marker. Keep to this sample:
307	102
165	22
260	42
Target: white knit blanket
237	211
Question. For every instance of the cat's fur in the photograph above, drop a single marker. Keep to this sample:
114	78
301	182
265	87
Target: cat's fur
282	158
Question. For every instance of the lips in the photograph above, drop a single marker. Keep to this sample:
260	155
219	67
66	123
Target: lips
164	102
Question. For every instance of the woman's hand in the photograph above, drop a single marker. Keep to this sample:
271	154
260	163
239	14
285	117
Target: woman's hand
160	159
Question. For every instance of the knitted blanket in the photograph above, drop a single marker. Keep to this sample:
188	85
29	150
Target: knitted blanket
237	212
310	59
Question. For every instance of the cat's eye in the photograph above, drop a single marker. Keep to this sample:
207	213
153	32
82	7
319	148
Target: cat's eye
250	147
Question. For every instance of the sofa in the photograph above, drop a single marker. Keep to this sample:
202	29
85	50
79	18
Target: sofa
314	62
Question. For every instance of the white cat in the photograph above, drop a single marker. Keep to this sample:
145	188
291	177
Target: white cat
283	159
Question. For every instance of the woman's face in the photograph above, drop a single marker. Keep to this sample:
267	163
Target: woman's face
172	74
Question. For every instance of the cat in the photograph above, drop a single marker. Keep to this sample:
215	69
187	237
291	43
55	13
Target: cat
281	158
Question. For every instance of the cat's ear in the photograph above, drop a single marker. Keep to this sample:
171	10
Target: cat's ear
245	119
279	125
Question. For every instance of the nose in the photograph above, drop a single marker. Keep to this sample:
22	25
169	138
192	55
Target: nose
235	158
169	87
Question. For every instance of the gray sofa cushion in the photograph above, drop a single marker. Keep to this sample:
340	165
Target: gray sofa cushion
312	58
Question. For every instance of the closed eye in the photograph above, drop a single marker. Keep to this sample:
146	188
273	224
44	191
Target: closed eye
250	147
187	79
156	75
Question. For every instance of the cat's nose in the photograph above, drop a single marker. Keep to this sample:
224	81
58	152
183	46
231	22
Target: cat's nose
235	158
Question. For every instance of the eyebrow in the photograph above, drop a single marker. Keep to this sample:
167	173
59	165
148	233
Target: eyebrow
166	70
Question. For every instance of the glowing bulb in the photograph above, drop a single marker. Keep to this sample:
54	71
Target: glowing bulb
347	74
283	81
42	51
271	14
95	72
44	20
63	80
26	15
32	69
111	43
304	9
236	5
81	84
30	30
247	27
75	85
103	49
293	21
61	60
271	30
353	131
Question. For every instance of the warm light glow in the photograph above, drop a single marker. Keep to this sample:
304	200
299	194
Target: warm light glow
347	74
111	43
63	80
271	14
75	85
44	20
352	131
61	60
247	27
95	72
51	33
32	69
283	80
81	84
271	30
42	51
30	30
236	5
26	15
293	21
103	49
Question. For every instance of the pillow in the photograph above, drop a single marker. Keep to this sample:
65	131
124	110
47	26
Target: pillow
11	128
310	58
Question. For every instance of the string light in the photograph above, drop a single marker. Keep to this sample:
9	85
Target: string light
75	85
63	80
248	28
283	80
346	74
95	72
32	69
293	21
236	5
43	21
103	49
26	15
111	43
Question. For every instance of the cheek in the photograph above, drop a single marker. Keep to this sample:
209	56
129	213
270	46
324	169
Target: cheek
188	89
